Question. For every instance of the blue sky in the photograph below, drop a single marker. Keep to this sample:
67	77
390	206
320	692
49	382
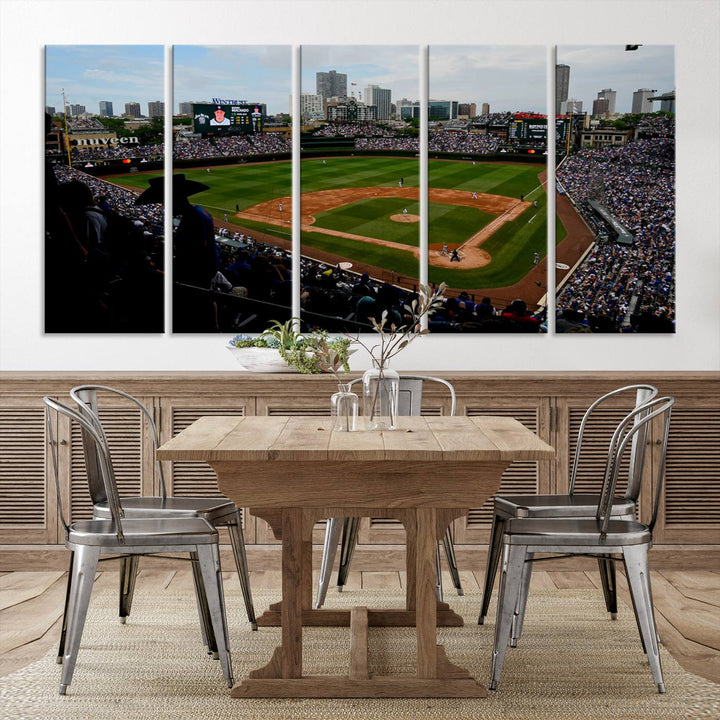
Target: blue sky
91	73
507	77
256	73
595	67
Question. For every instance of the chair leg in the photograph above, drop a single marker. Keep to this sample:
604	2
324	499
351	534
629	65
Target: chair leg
493	560
607	577
81	583
238	546
128	574
438	574
206	629
638	577
351	527
209	561
510	579
449	548
333	529
519	617
63	631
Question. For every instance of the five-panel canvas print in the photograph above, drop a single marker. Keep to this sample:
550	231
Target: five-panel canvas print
374	219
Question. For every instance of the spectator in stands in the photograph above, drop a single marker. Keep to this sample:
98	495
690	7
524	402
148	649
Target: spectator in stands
518	314
195	255
373	307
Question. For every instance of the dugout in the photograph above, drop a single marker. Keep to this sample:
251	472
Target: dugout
618	232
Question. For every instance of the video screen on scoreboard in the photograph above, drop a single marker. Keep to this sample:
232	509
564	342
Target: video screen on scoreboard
246	118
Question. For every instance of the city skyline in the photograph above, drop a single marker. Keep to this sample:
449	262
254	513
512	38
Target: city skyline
596	67
508	78
255	73
115	73
393	67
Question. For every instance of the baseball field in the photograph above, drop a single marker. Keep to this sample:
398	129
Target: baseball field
365	210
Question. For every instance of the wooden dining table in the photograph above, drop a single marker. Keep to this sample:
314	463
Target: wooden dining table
294	471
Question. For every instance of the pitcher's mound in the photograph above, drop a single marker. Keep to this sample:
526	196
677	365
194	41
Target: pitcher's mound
400	217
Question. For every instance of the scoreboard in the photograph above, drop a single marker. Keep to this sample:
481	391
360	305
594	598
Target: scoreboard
227	119
535	130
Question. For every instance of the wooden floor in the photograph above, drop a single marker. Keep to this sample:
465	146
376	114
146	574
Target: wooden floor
687	606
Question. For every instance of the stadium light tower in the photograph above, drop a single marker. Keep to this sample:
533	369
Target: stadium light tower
67	136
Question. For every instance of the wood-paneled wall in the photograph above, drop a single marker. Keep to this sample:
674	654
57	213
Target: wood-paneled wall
550	404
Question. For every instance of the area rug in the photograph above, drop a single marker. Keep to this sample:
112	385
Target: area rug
572	662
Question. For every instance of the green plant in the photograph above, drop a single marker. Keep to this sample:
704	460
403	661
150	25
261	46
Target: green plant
311	353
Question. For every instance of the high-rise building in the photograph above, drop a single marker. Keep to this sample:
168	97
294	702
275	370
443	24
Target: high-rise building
156	109
562	85
641	101
442	110
185	108
311	107
132	109
571	106
467	110
609	95
381	98
667	101
75	110
50	110
329	84
485	109
601	107
106	108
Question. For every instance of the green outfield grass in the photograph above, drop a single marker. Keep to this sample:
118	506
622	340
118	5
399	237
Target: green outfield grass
511	248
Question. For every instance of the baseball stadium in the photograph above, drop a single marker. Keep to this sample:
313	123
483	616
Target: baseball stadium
360	220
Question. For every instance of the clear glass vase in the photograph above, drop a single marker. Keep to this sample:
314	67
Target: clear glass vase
344	408
381	387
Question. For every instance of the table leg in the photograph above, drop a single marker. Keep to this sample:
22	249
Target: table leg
286	662
436	676
425	597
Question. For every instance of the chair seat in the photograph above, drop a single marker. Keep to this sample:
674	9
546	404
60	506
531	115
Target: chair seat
573	532
148	506
146	531
559	506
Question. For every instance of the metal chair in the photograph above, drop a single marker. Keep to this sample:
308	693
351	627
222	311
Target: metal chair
129	538
409	403
604	536
219	511
572	504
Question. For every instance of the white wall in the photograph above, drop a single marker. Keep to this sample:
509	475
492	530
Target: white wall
691	25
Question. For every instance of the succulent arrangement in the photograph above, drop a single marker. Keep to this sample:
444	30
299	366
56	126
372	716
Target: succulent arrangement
311	353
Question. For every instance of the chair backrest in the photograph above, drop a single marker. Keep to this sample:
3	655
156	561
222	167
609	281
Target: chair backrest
410	393
643	393
100	454
86	397
635	424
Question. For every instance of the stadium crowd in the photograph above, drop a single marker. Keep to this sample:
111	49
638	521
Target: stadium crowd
457	141
103	257
620	287
117	152
243	268
354	130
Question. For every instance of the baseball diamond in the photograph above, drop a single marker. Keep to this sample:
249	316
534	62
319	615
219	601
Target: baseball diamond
474	208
